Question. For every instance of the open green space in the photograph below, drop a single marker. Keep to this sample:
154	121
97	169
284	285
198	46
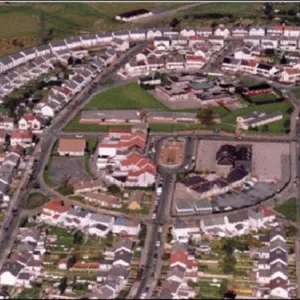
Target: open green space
296	92
288	208
263	98
32	293
128	96
36	200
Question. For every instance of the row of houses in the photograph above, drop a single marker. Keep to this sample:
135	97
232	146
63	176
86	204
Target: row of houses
236	223
270	269
183	268
57	213
26	262
122	161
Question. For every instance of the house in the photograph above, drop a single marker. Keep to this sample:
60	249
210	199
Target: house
222	31
290	75
120	45
126	226
149	80
99	230
193	61
29	121
269	42
6	123
288	43
240	31
134	15
203	206
214	222
22	137
89	40
124	35
53	209
84	186
182	230
257	31
275	30
58	45
73	42
184	206
266	70
291	31
162	43
186	32
29	54
122	258
105	220
135	200
71	147
103	199
9	273
62	265
137	34
18	58
259	89
257	118
204	31
230	64
252	39
110	117
153	32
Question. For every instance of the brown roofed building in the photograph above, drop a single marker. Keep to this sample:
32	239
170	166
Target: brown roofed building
102	199
135	200
72	147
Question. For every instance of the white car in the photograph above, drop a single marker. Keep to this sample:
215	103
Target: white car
186	167
154	216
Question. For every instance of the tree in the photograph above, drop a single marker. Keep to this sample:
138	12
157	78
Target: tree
63	285
71	261
109	239
174	22
205	116
268	9
283	60
114	189
78	237
265	128
292	12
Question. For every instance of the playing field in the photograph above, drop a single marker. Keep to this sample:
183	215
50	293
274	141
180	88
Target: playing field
263	98
128	96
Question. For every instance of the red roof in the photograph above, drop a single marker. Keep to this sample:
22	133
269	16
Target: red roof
291	71
195	58
21	134
182	257
63	261
65	91
56	205
86	265
193	37
31	117
267	212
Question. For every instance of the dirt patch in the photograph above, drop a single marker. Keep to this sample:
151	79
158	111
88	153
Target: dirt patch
171	153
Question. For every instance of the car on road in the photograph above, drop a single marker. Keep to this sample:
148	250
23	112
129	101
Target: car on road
186	167
79	136
157	244
154	216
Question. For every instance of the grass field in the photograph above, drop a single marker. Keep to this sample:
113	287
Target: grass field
296	92
22	21
128	96
263	98
36	200
288	209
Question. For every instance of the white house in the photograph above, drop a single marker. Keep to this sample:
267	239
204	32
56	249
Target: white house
162	43
105	38
99	230
257	31
290	75
10	273
254	40
89	41
239	31
137	34
291	31
126	226
222	31
204	31
186	32
29	121
152	33
182	230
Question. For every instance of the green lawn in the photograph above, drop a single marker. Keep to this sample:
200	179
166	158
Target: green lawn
36	200
276	127
263	98
128	96
33	293
64	191
75	126
296	92
91	144
288	209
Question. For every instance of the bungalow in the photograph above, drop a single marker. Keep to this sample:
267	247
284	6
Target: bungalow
18	58
105	220
58	45
29	121
291	31
171	117
84	186
222	31
175	62
152	33
137	34
215	222
53	210
257	31
258	89
21	137
266	70
275	30
110	117
73	42
102	199
99	230
105	38
29	54
203	206
182	230
123	35
204	31
89	40
127	226
184	206
186	32
240	31
290	75
72	147
42	50
257	118
122	258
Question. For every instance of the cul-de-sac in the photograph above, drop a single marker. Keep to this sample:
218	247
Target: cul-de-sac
150	150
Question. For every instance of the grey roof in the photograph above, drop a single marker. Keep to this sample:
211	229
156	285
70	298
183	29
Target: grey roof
255	215
118	271
29	232
72	40
126	243
26	247
138	31
202	204
110	114
58	43
43	48
264	273
77	212
13	267
3	187
89	37
12	158
23	257
123	255
183	204
6	172
105	34
170	114
100	227
24	276
161	38
17	55
6	60
78	78
238	217
278	254
101	218
278	243
279	267
103	293
28	51
214	221
120	33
